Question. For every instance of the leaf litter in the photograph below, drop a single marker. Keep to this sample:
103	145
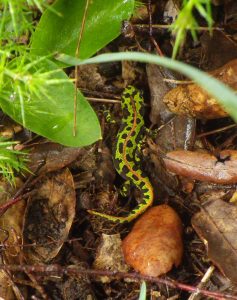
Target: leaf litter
55	227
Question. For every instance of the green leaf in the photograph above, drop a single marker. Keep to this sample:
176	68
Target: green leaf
142	295
49	112
56	33
225	95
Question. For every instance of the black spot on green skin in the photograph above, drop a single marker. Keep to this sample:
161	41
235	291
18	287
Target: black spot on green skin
120	147
123	136
126	95
136	168
145	190
124	170
128	128
130	144
142	185
129	158
134	177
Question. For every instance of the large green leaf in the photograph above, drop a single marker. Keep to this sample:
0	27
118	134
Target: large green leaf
51	113
60	32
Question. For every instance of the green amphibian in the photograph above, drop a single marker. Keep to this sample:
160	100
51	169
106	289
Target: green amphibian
126	159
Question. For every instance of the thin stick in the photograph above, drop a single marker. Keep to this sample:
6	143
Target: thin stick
203	281
75	270
161	26
215	131
77	67
92	99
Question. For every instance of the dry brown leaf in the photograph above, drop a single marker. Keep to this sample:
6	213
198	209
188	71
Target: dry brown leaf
109	255
49	216
155	243
216	225
158	88
11	223
190	99
214	56
204	166
52	156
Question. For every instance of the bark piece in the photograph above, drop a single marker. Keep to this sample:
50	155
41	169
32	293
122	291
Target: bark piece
216	225
192	100
155	243
204	166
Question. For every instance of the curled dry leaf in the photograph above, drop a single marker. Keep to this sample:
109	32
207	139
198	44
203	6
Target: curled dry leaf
204	166
49	216
190	99
216	225
109	255
155	243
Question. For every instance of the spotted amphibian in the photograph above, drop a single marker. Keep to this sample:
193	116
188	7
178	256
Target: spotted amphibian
126	160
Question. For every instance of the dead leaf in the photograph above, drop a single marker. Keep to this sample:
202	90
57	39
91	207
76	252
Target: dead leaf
11	223
191	100
159	175
49	216
155	243
70	287
214	56
204	166
52	156
89	77
216	225
109	255
158	88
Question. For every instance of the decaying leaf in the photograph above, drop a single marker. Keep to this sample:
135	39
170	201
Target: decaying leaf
49	216
216	225
190	99
158	88
203	166
155	243
11	223
109	255
214	56
52	156
70	287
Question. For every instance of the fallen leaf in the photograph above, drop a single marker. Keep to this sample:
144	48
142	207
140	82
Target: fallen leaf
204	166
49	216
191	100
11	223
155	243
216	225
52	156
178	133
109	255
158	88
214	56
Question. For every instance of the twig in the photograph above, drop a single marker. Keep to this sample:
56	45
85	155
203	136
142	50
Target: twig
92	99
75	270
203	281
162	26
77	67
215	131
